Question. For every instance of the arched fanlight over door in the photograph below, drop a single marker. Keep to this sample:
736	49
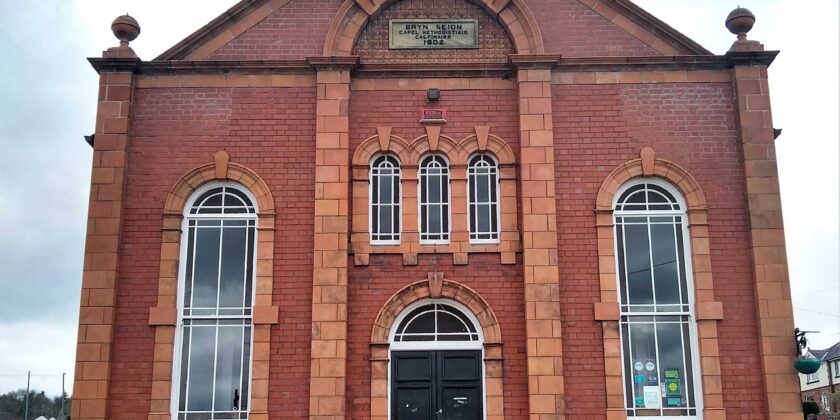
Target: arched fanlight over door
436	322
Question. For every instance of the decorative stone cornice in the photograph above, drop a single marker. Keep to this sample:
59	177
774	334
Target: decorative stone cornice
751	58
333	62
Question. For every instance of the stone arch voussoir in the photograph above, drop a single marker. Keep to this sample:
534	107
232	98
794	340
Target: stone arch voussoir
192	180
395	145
495	146
451	290
669	171
353	16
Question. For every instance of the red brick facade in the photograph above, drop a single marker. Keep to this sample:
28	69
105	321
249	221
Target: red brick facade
290	109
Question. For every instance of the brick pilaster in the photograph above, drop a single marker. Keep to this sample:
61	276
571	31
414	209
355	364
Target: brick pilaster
775	311
329	279
96	316
539	239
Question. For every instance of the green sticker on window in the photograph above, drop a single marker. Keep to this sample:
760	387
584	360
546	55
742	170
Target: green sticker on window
640	402
672	374
672	386
673	402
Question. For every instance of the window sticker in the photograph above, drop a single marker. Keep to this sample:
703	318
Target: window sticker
672	374
639	379
651	396
638	366
672	387
650	366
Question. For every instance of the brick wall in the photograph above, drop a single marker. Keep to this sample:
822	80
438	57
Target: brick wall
174	130
600	127
500	285
574	30
297	30
467	109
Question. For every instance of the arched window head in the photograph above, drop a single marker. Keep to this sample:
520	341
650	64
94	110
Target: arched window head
659	339
385	200
436	322
434	200
214	340
483	199
647	196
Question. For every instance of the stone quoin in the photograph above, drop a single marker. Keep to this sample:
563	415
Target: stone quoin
583	223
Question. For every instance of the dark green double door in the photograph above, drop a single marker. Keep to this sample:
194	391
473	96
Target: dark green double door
436	385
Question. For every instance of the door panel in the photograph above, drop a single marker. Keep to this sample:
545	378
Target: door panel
436	385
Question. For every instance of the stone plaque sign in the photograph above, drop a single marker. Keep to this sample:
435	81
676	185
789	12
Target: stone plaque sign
433	34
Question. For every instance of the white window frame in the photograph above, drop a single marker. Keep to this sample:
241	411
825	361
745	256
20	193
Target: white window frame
438	345
421	205
498	203
837	368
182	268
693	338
373	207
812	377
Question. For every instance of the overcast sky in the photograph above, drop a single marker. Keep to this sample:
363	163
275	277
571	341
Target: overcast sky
48	102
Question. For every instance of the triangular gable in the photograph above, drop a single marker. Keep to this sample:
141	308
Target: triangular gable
646	27
630	18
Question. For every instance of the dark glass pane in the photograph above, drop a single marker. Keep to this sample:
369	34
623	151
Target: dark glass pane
629	191
385	193
635	198
678	229
206	270
232	200
228	366
655	197
395	214
246	369
689	375
494	216
484	211
234	243
493	187
422	337
190	247
482	189
455	337
671	371
668	196
424	190
434	219
201	360
434	190
424	323
395	192
445	218
628	364
385	221
471	192
473	214
448	323
374	187
249	273
619	236
638	264
213	201
185	352
665	264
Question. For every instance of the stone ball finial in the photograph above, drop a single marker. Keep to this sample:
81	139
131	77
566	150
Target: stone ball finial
740	21
125	28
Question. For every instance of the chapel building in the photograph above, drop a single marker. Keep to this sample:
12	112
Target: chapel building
435	209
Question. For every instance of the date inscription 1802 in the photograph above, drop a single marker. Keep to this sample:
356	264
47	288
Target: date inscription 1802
432	34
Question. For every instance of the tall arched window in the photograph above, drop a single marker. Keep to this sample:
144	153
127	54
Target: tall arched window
656	300
483	199
213	345
385	200
434	200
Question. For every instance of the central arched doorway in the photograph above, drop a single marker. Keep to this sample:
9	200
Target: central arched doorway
436	363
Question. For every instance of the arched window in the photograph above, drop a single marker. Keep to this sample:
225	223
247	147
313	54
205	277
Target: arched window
435	322
656	301
213	345
434	200
483	199
385	200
